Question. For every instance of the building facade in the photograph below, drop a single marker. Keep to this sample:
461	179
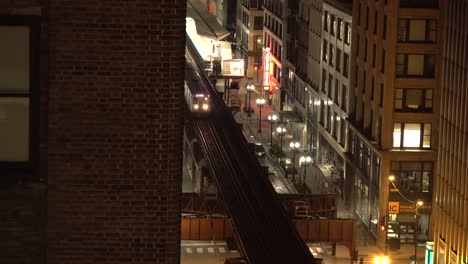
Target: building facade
273	51
91	124
249	32
393	115
450	211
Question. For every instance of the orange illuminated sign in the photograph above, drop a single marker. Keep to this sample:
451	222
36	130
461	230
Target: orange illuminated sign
266	67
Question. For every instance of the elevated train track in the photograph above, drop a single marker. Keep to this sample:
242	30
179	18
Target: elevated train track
265	231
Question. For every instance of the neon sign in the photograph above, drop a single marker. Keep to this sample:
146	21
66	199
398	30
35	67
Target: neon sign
266	67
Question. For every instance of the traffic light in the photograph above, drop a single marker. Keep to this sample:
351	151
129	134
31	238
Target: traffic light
382	223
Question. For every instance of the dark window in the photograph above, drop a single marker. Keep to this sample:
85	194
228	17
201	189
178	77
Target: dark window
346	65
330	85
415	65
336	95
412	176
413	100
344	97
375	170
419	3
322	112
332	58
381	94
384	32
258	23
373	55
343	132
19	85
338	60
372	88
375	22
365	50
367	18
324	80
383	61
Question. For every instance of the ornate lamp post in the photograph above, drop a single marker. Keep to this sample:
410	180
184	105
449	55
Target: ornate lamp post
250	88
304	161
281	132
294	148
260	102
271	120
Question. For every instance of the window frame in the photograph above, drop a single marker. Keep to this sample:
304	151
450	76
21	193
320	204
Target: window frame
26	169
424	100
422	135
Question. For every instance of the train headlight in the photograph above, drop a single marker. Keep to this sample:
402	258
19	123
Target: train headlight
195	107
205	106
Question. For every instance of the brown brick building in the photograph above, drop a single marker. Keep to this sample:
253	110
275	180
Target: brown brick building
91	121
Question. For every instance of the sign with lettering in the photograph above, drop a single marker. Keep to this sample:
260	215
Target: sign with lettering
393	207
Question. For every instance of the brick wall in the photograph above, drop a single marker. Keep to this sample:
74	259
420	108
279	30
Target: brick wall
115	131
111	136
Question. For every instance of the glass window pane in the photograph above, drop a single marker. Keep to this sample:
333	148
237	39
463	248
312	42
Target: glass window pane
415	64
425	181
413	98
417	30
14	62
411	166
412	135
396	135
14	129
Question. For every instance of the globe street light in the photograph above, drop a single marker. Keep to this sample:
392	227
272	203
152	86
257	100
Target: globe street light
281	131
250	88
294	148
271	120
304	161
260	102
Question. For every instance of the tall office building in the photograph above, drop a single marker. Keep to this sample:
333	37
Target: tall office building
393	115
450	212
91	123
249	32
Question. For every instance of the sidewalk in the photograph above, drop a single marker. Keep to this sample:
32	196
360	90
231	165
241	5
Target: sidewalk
262	132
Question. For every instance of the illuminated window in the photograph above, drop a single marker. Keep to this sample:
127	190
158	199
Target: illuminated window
412	135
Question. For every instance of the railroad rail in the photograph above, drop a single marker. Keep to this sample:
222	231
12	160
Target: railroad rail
264	228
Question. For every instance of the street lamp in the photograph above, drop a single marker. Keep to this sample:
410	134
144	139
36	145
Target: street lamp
417	204
304	161
294	148
281	131
250	88
381	260
271	120
260	102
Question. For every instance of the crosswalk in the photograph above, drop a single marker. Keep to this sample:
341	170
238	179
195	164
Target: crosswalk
209	250
206	248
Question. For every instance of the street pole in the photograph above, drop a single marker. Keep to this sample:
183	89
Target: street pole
260	103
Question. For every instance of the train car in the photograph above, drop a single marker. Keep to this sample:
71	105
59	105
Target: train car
197	97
